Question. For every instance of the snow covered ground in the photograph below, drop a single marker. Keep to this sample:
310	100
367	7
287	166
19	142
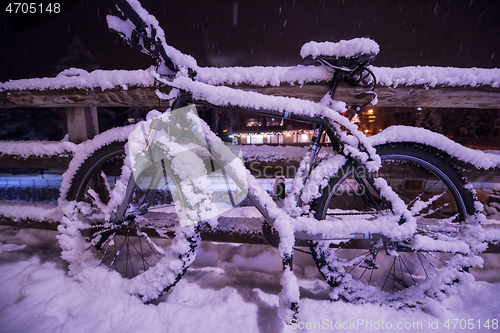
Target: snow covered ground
229	288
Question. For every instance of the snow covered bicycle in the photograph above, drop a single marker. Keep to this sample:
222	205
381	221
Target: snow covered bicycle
390	222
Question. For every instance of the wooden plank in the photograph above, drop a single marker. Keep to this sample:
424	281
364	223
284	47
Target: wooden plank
402	96
28	223
58	162
61	162
413	96
118	97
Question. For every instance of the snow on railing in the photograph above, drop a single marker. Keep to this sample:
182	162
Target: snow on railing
398	87
428	76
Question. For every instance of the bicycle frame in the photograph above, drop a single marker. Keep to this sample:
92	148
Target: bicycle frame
322	127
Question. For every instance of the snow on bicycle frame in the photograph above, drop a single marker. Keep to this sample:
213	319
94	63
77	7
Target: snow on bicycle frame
174	140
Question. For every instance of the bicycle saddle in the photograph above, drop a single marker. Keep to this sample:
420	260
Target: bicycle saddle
341	63
345	55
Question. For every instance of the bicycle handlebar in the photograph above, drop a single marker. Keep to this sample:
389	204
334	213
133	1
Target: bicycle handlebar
131	14
150	44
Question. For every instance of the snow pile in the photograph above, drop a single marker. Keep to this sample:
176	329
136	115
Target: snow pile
37	148
262	76
265	153
344	48
229	288
409	76
429	76
81	79
402	133
32	212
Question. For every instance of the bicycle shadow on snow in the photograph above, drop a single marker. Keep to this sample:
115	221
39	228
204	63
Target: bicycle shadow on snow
254	272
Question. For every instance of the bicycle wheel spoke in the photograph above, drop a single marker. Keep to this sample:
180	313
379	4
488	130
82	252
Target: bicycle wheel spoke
107	247
129	257
425	190
427	260
154	251
363	272
411	275
374	263
126	257
401	270
387	277
408	187
140	253
420	259
431	254
416	209
371	275
116	254
394	274
144	263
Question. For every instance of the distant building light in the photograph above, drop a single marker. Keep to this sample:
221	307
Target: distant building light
274	122
370	111
304	138
251	122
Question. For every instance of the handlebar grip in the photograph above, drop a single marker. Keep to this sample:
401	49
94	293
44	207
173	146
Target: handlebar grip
131	14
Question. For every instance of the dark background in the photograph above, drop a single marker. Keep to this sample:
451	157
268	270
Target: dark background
426	32
249	33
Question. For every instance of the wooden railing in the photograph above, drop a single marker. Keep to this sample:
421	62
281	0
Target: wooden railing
81	104
81	109
484	97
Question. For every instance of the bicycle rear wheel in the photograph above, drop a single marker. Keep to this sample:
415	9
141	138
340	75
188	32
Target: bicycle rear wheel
379	268
147	247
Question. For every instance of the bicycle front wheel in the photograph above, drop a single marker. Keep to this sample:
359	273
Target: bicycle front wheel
146	247
379	268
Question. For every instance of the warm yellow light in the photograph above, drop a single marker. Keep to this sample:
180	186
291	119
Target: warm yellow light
370	111
224	131
366	131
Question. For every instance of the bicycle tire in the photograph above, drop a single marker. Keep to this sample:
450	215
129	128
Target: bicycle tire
441	208
155	272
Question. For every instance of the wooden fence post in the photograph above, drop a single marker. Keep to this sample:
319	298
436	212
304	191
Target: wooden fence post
82	123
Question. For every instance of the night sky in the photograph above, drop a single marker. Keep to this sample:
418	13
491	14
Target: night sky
258	32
